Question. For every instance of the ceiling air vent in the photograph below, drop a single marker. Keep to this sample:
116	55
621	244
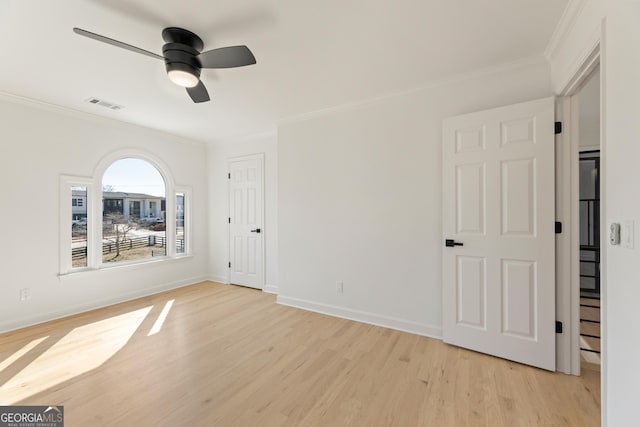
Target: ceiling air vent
103	103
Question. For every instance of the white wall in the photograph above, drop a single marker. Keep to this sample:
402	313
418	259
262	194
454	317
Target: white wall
360	199
622	151
219	204
39	144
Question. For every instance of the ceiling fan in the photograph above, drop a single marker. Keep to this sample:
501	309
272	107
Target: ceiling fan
184	59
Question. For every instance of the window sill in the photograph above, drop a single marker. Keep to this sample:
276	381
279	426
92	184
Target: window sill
126	266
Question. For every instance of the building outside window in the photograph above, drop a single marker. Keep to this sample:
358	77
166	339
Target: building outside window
133	226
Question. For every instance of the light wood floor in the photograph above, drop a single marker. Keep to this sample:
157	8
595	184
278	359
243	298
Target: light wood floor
230	356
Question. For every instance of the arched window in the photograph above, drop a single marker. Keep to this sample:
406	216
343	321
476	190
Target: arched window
133	212
130	211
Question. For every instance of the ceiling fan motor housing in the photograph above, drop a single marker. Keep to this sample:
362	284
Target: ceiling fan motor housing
181	50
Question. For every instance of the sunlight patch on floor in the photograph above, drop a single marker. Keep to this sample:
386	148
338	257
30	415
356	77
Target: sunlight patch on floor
160	320
587	355
81	350
18	354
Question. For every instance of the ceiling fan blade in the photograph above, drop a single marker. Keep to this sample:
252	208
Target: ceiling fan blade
227	57
113	42
198	93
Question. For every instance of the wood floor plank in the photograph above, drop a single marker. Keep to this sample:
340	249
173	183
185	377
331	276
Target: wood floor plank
590	328
590	313
230	356
590	302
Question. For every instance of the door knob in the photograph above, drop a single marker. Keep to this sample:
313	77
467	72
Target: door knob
451	243
257	230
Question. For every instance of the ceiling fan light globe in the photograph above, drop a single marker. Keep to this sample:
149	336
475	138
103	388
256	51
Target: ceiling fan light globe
183	78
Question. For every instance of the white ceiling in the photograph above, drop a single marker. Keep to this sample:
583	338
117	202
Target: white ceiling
310	54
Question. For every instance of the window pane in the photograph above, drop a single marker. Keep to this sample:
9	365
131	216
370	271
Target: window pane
78	227
133	224
180	237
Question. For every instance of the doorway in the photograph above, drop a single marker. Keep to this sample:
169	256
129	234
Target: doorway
590	345
589	193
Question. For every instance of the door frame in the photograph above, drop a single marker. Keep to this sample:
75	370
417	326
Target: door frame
260	158
567	210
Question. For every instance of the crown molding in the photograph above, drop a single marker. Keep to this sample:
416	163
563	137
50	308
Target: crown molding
568	19
434	84
242	138
84	115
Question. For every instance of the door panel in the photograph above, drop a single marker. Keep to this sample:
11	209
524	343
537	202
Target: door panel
471	298
498	201
518	298
470	200
518	199
246	222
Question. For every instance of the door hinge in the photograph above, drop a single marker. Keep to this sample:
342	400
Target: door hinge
229	175
558	227
558	128
229	264
558	327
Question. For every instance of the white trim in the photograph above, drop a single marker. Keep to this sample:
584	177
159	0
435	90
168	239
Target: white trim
94	214
86	273
574	231
584	72
564	27
218	279
364	317
187	205
65	264
604	355
248	137
260	157
85	115
500	68
564	348
24	322
169	190
271	289
585	65
596	56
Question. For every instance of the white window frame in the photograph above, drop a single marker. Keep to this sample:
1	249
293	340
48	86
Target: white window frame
66	212
93	185
187	219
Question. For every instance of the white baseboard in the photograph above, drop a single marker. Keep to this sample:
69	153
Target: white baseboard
364	317
24	322
218	279
270	289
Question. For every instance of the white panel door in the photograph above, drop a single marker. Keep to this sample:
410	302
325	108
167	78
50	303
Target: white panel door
246	222
498	209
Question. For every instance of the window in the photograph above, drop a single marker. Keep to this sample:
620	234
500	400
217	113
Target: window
134	208
130	227
78	228
126	215
180	235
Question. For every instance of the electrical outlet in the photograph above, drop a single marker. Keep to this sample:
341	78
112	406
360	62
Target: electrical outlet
25	294
339	287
